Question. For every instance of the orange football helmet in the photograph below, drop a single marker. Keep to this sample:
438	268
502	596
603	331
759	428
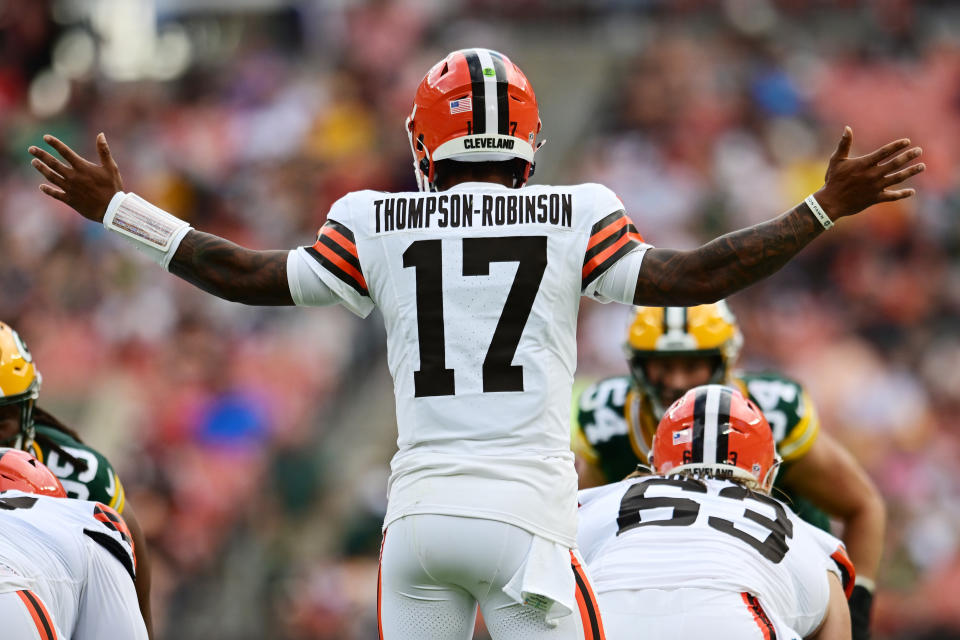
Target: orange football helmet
475	105
714	428
21	471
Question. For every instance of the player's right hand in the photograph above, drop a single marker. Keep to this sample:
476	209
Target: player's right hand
853	184
85	186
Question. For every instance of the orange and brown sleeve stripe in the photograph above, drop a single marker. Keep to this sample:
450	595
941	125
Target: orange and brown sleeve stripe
587	603
336	250
848	575
113	520
610	239
39	614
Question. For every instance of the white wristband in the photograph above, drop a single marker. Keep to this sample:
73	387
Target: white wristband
818	211
150	229
866	583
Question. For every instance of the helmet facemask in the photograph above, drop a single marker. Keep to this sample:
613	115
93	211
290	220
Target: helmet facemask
705	331
654	391
19	386
24	436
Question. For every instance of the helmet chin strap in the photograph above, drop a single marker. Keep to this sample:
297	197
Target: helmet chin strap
771	477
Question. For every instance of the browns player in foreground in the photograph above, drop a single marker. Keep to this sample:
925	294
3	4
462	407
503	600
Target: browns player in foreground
671	350
82	470
478	278
66	566
701	550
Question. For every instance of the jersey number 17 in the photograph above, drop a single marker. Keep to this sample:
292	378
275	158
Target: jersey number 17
433	377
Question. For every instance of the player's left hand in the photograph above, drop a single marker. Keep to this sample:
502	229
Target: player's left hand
85	186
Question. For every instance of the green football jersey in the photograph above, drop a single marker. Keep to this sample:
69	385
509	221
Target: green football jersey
614	427
97	482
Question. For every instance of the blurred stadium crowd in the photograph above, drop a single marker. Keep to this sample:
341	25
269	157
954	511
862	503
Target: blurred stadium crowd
226	423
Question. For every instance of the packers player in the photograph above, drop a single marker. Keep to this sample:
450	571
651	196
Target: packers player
83	471
673	349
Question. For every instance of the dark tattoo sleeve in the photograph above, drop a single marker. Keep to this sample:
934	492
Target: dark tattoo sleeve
725	265
232	272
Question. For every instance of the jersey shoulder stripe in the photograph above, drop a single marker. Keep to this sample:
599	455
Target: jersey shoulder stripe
115	548
848	573
122	549
610	239
804	433
119	499
336	250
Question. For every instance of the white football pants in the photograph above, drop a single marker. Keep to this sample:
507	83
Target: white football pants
25	617
435	570
680	614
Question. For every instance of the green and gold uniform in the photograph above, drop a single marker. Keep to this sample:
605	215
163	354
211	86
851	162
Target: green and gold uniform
87	476
614	427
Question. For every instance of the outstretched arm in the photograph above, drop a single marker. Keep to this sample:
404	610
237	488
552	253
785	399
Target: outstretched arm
207	261
739	259
232	272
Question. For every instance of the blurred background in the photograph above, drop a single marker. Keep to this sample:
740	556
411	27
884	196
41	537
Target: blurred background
254	443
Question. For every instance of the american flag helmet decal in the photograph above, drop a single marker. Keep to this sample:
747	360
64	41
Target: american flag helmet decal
462	105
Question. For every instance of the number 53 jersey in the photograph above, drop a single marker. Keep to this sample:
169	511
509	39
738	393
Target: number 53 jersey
479	287
677	532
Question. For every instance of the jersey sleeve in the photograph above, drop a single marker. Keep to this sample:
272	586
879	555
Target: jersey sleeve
840	563
114	536
600	415
803	433
612	237
331	264
91	478
108	606
789	410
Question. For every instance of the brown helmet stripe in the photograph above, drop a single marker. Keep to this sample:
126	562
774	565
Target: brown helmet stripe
503	99
478	91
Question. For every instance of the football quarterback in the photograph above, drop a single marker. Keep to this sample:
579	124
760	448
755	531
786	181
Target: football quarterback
478	277
673	349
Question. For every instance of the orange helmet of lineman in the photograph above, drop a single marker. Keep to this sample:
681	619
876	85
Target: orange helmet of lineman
714	429
475	105
21	471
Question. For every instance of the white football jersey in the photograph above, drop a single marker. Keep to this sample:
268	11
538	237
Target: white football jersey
479	287
46	546
673	532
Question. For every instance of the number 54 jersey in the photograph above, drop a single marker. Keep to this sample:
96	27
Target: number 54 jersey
479	287
675	532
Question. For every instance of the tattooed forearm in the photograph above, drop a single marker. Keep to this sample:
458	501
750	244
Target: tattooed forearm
232	272
725	265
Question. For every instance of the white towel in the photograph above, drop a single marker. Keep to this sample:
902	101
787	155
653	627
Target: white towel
545	581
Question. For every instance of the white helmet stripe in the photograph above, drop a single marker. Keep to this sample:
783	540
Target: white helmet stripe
489	90
675	320
710	426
